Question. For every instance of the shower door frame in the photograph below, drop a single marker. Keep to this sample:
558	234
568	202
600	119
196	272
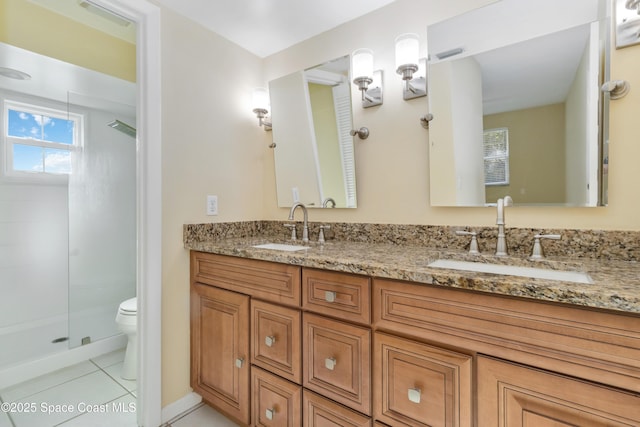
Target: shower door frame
149	203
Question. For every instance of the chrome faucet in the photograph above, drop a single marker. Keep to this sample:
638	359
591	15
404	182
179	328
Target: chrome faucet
501	245
305	225
328	200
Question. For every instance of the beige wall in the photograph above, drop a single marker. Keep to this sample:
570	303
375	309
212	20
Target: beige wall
536	155
30	27
211	145
397	145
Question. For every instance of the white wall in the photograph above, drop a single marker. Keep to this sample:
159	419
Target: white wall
33	264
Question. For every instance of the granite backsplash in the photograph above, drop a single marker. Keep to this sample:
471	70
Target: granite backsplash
587	244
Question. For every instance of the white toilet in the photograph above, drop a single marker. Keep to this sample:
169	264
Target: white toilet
127	324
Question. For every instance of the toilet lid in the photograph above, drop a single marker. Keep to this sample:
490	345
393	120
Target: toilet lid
129	306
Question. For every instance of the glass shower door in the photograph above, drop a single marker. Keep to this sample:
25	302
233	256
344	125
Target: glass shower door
102	228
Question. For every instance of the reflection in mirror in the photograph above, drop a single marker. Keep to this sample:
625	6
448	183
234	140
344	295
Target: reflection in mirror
311	120
516	111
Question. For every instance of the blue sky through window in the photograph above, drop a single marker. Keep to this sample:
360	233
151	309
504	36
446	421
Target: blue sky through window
44	128
47	129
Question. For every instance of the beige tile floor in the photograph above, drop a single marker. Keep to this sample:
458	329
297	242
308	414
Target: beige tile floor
97	395
90	393
202	416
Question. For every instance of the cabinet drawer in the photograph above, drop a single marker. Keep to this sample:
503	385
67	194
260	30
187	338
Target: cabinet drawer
418	384
276	401
516	395
262	279
337	361
580	342
341	295
275	332
320	412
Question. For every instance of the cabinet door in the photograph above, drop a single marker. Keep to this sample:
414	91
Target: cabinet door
220	349
515	395
276	401
320	412
337	361
419	384
275	331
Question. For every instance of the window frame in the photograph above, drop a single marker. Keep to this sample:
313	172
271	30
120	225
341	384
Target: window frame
8	142
504	157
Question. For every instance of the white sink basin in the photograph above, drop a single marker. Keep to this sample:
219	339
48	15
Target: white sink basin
510	270
281	247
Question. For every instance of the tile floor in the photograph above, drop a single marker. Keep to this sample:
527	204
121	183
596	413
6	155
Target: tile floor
201	416
89	394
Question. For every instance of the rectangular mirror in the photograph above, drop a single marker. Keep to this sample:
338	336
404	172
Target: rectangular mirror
311	120
517	111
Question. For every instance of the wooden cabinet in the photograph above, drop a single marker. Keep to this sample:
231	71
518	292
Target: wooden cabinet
585	343
220	349
321	412
276	401
518	396
337	361
269	281
340	295
419	384
225	308
276	341
279	345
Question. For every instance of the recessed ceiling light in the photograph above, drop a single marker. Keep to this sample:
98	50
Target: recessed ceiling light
14	74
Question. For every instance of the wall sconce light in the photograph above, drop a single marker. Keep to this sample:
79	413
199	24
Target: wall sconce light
412	69
260	104
368	81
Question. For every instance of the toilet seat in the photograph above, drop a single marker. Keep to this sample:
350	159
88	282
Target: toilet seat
129	307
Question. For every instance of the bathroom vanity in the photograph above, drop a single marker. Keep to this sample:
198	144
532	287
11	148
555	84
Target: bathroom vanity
353	334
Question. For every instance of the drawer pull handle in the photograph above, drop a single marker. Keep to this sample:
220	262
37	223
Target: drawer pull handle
270	341
329	296
330	363
414	395
239	362
269	413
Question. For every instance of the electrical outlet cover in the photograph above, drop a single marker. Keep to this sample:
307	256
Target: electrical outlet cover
212	205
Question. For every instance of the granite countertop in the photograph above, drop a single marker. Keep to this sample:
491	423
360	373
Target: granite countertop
616	284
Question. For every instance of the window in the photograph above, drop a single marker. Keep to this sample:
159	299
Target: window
39	141
496	156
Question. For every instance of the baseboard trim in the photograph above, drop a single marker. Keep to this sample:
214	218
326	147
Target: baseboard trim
178	408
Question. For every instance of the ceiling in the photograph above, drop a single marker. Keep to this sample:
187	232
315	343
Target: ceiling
265	27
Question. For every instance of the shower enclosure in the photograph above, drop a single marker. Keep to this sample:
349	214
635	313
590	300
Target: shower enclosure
68	246
102	231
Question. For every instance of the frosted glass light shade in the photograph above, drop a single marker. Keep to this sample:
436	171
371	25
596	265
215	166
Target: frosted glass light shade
407	47
362	63
260	99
